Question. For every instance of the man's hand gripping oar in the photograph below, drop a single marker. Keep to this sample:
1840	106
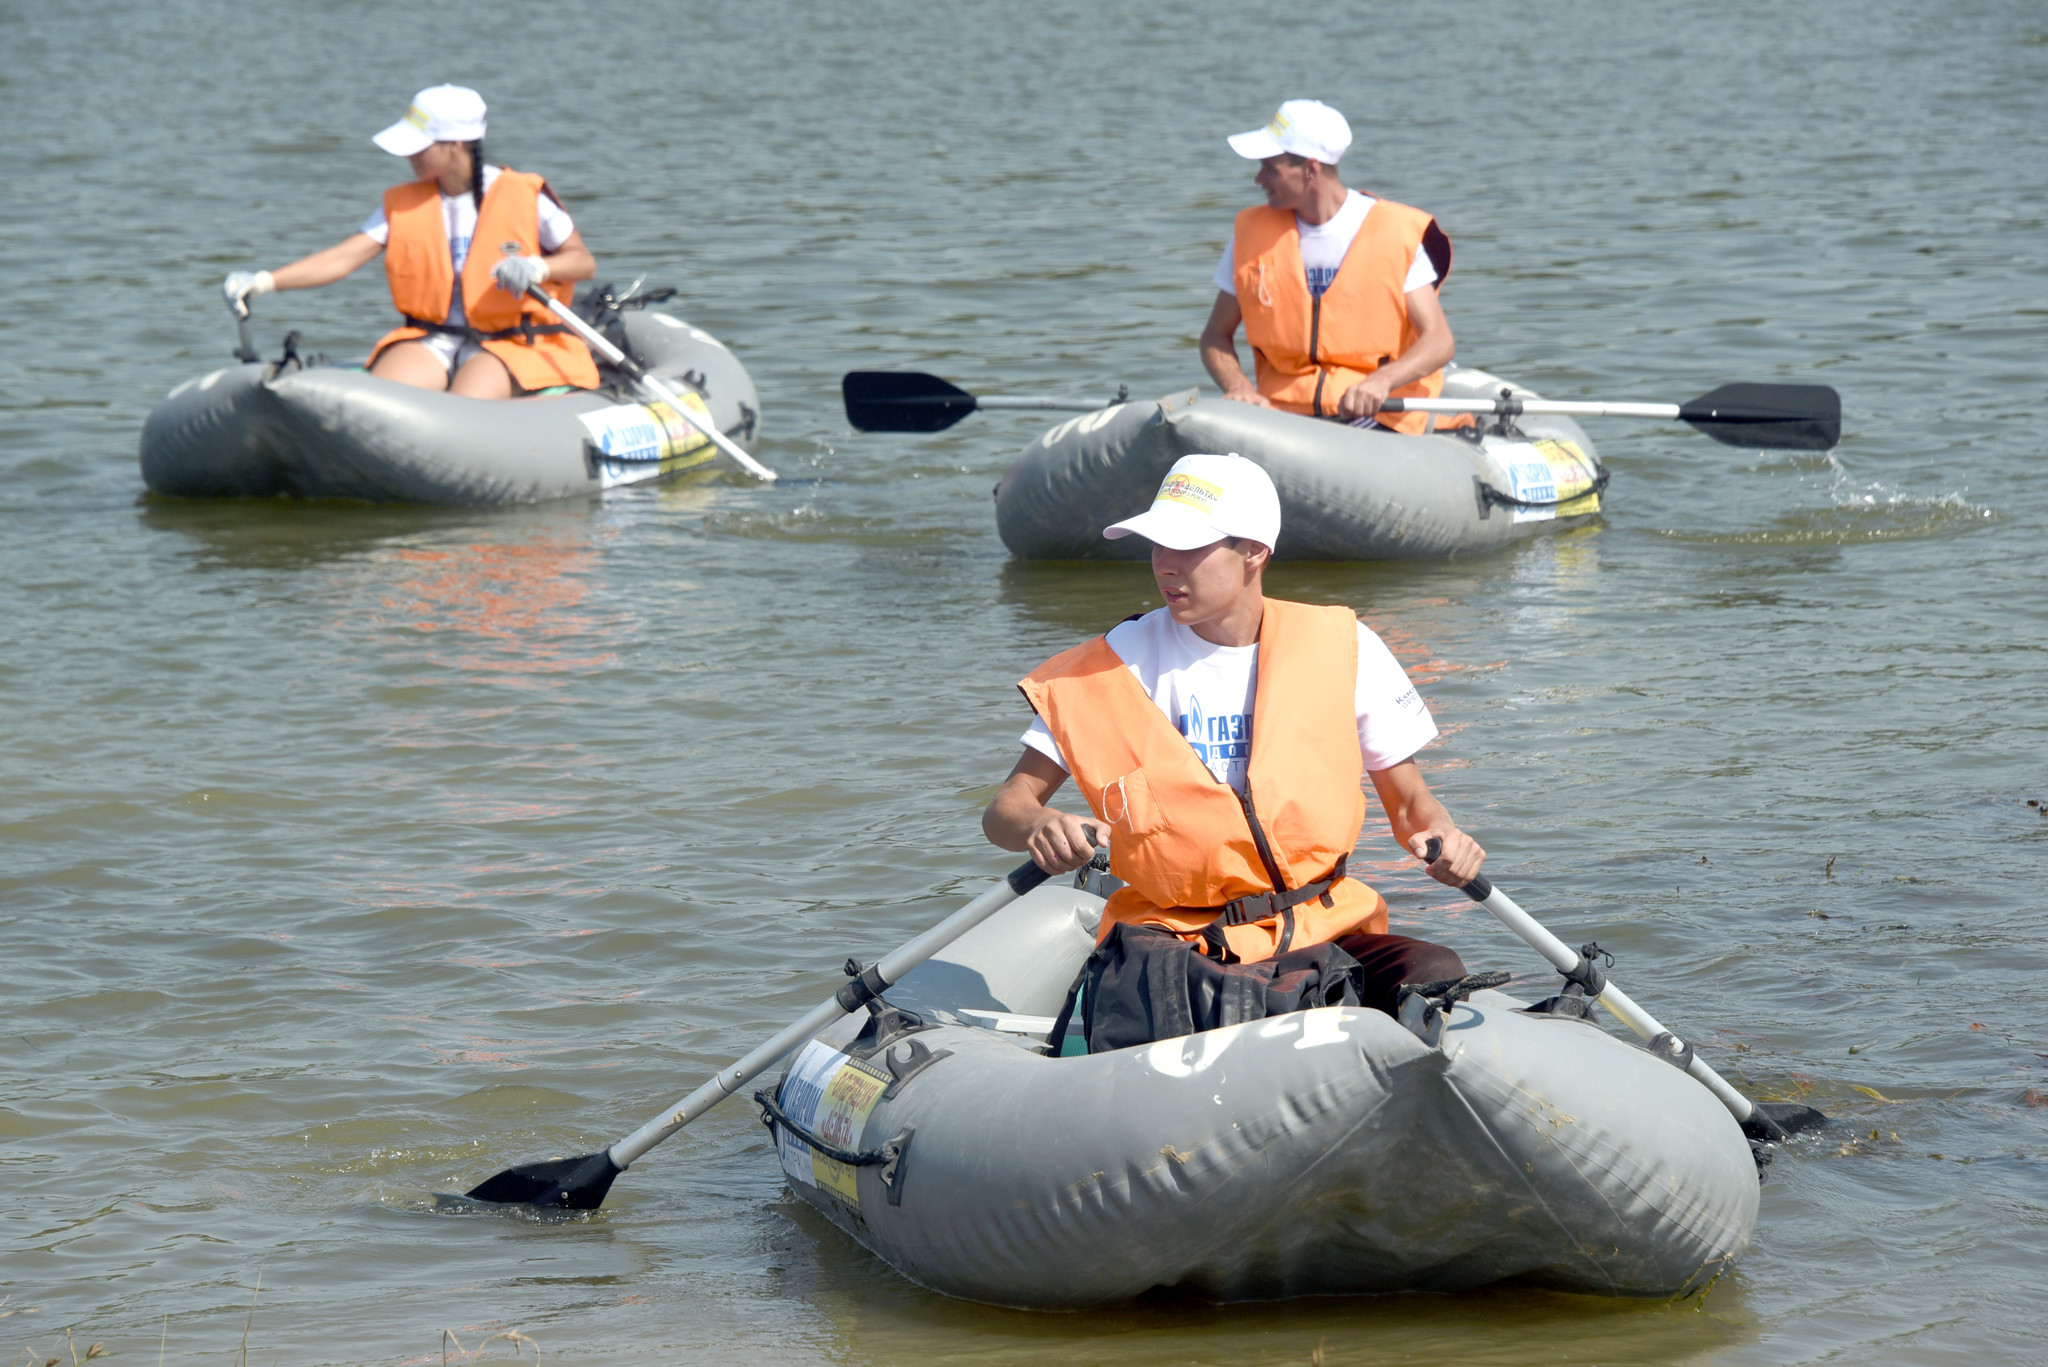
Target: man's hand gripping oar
238	289
1768	1121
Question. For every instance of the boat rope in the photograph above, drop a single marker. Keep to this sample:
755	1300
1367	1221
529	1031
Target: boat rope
773	1115
1452	990
1495	498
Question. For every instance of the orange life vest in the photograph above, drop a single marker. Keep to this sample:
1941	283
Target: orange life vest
1198	859
535	347
1308	349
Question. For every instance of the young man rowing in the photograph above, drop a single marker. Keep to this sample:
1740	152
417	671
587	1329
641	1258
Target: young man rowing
1221	741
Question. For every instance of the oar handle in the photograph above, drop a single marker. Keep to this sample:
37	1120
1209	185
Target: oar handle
1577	967
872	982
599	343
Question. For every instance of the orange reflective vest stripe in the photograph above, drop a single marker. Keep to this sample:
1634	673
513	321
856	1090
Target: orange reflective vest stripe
422	274
1183	841
1307	349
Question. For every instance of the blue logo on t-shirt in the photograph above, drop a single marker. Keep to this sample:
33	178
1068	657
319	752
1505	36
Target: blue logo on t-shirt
1224	743
1319	278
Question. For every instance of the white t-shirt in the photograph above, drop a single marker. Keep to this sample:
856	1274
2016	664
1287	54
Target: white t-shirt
1323	246
1207	691
458	214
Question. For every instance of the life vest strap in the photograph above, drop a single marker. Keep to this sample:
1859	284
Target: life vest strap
1264	906
449	328
526	330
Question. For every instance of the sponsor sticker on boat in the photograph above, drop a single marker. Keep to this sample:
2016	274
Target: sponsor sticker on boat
635	442
830	1095
1555	475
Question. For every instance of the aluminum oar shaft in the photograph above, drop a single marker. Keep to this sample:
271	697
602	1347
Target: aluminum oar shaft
1565	960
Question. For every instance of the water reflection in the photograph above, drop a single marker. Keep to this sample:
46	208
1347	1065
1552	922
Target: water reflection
520	607
1081	598
288	534
697	491
875	1316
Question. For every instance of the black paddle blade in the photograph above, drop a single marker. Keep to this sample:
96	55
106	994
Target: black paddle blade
1784	417
563	1183
1775	1120
896	401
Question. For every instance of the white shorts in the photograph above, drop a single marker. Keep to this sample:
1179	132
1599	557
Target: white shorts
453	350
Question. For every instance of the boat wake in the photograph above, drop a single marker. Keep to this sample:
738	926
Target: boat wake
1856	513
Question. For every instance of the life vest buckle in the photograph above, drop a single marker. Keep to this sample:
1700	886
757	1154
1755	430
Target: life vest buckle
1264	906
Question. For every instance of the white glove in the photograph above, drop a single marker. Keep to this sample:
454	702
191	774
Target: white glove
515	273
241	286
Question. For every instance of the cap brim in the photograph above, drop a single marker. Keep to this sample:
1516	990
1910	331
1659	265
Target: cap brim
1177	529
1256	145
402	139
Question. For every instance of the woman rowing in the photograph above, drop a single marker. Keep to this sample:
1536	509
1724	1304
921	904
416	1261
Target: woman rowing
469	325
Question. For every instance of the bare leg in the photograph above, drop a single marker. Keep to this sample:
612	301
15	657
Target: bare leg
413	364
483	376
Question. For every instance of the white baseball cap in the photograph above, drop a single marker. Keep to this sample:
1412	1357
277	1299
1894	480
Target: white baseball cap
1204	499
1307	128
441	113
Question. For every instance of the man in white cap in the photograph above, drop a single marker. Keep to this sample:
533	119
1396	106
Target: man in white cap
468	325
1336	290
1220	742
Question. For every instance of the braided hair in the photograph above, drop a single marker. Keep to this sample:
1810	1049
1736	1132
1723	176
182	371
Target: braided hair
476	173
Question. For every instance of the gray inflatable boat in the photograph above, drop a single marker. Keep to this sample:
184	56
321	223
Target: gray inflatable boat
1324	1152
314	430
1345	493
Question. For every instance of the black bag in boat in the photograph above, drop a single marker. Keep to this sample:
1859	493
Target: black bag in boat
1143	984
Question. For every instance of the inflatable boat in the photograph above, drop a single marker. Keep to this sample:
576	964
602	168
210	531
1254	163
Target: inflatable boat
1328	1151
315	430
1345	493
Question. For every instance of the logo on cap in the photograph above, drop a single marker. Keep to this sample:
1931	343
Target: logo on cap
417	117
1281	123
1198	494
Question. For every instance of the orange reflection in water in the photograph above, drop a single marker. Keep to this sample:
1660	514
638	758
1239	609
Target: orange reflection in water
518	609
1423	667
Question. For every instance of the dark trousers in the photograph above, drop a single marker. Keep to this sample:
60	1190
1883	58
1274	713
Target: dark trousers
1387	961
